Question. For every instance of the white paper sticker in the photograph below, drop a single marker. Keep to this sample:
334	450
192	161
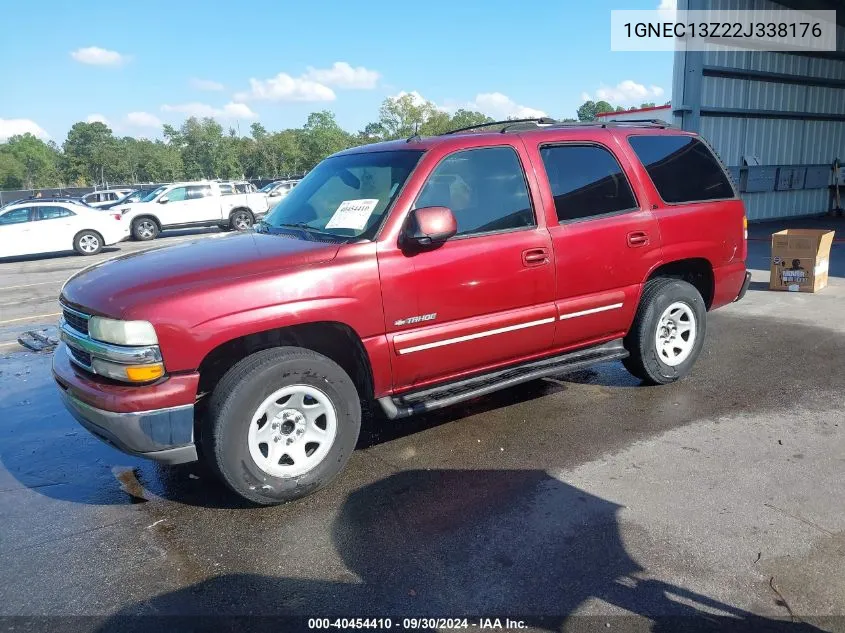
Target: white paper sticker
352	214
794	288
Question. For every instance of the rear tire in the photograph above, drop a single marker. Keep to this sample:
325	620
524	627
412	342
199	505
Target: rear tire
145	229
241	220
88	243
668	332
281	424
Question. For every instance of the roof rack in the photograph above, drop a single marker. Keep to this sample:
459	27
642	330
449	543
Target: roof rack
508	122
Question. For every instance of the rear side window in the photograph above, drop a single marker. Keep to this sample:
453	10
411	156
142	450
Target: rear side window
196	192
484	188
682	168
15	216
586	181
51	213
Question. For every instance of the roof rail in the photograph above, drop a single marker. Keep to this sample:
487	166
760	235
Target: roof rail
537	121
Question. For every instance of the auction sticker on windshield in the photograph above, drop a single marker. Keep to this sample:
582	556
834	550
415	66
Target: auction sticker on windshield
352	214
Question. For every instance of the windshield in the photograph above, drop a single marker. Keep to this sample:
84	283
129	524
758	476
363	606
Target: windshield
266	188
346	196
153	194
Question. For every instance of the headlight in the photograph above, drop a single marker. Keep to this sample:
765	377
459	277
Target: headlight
122	332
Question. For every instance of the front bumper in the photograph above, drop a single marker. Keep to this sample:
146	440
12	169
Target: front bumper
744	288
165	435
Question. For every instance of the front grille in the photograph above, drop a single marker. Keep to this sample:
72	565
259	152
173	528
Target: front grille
80	356
78	323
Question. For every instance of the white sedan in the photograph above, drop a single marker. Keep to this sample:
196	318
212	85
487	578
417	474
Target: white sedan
32	228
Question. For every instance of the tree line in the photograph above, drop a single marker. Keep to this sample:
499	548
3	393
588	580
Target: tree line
201	148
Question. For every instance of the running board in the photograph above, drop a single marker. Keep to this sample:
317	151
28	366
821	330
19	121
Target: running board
414	402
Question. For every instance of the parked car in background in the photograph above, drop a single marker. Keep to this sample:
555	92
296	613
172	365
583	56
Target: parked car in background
277	190
104	197
415	275
134	196
192	204
47	226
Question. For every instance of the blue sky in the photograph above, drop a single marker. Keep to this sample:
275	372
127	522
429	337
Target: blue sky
136	65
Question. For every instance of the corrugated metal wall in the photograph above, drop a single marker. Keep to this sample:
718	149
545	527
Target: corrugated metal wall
773	141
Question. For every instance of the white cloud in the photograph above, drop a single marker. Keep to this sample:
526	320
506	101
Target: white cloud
205	84
143	119
625	92
96	56
500	106
416	98
13	127
231	110
283	87
496	105
342	75
97	118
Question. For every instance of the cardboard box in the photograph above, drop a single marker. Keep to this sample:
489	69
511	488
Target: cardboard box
800	259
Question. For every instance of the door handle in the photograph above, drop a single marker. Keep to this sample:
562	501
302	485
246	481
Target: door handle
535	257
637	238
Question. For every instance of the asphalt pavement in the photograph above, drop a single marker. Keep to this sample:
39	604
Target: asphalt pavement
580	502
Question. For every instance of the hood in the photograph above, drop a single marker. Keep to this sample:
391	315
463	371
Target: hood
112	287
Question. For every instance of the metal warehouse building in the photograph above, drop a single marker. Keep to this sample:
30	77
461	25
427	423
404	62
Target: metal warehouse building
776	119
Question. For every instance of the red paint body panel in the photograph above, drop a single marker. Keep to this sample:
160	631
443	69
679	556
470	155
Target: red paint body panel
203	294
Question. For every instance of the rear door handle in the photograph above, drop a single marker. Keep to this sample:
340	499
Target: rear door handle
637	238
535	257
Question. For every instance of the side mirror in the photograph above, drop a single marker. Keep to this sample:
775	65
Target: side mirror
275	194
163	200
428	226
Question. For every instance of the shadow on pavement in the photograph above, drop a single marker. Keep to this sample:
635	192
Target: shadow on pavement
514	544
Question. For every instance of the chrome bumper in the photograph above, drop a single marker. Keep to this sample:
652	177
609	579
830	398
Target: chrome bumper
165	435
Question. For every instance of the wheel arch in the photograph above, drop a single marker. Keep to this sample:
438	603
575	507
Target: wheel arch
333	339
150	216
697	271
88	230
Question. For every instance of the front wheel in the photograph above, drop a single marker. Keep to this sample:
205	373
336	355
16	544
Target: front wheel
282	423
88	243
668	331
144	229
241	220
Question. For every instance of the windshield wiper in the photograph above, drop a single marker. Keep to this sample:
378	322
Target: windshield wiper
302	226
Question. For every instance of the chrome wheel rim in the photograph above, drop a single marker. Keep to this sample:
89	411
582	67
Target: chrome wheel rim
292	431
89	243
242	221
675	336
146	229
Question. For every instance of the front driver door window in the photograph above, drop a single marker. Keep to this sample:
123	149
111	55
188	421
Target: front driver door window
476	300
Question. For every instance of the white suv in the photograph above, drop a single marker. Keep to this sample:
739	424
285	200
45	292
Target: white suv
104	197
191	204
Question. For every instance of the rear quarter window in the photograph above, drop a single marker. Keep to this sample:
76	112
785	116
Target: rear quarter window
682	168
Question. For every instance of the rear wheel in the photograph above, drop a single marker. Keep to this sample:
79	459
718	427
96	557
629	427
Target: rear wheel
88	243
241	220
144	229
282	423
668	331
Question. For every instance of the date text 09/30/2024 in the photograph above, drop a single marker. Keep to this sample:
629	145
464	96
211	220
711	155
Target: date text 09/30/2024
503	624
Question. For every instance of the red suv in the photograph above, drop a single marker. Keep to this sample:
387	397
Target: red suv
414	273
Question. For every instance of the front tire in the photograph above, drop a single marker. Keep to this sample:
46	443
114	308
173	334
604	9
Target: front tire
282	423
88	243
145	229
241	220
668	332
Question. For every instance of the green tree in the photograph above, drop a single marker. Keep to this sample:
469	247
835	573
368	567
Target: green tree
648	104
87	151
402	117
39	161
589	110
322	136
205	152
12	172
